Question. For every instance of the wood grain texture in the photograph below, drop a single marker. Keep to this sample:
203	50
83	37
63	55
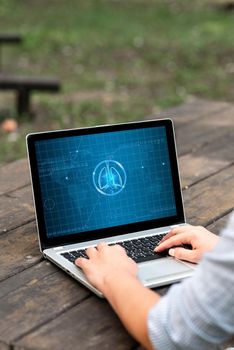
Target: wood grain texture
4	346
207	160
16	209
213	127
19	250
218	225
14	175
192	110
90	325
43	297
41	269
211	198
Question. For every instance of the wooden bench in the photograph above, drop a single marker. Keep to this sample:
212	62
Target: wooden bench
7	38
223	4
41	307
24	86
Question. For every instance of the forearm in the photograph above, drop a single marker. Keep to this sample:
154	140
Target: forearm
132	302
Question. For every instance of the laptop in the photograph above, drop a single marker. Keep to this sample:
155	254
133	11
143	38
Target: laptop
114	183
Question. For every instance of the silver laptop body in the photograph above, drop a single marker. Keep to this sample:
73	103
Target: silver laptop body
77	174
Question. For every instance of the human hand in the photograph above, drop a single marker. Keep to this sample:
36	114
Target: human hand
198	237
105	261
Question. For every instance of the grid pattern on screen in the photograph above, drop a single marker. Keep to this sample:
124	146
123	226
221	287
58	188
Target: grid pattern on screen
132	181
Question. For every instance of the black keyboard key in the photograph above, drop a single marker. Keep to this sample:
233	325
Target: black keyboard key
69	257
139	249
73	255
66	255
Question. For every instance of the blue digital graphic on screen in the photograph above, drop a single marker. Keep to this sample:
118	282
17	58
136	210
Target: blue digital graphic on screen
109	179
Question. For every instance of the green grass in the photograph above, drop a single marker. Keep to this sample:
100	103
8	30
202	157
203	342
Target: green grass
117	60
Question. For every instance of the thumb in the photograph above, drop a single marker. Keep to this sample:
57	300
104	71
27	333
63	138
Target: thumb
183	254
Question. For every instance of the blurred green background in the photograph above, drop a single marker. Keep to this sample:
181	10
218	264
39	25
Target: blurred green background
117	60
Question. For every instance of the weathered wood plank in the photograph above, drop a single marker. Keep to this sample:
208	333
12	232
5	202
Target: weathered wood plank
218	225
194	136
41	269
13	176
206	161
4	346
19	250
16	209
89	325
192	111
211	198
40	299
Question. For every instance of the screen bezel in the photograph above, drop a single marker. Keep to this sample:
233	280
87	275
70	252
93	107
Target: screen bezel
79	237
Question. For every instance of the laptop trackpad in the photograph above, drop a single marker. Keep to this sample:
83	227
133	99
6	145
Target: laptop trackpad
156	269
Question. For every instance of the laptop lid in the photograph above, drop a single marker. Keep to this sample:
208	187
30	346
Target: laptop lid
98	182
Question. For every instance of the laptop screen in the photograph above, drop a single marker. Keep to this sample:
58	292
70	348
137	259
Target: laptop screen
97	181
104	181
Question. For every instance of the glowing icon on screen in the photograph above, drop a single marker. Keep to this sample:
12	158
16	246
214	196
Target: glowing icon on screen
109	177
49	204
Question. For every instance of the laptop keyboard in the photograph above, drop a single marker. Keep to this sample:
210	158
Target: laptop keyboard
140	250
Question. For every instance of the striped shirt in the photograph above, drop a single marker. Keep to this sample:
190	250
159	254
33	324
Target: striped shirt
198	313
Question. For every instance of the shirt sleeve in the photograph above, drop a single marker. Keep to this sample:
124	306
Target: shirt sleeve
199	312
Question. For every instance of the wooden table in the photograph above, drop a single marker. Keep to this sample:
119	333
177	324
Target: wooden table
43	308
